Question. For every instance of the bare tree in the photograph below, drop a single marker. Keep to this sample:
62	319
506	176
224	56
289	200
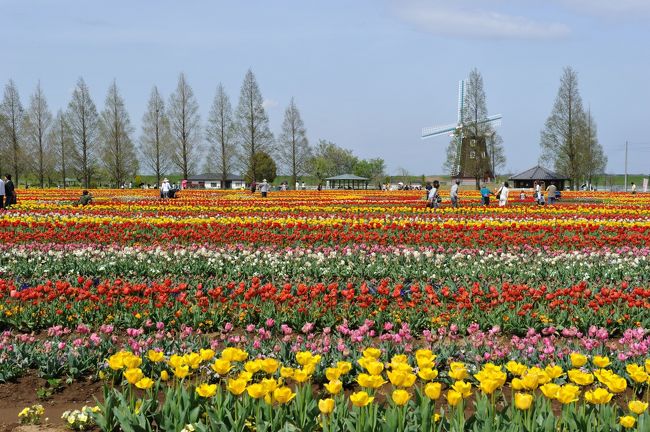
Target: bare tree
185	123
118	152
561	140
60	139
36	125
84	124
594	159
252	125
155	141
12	111
294	149
220	135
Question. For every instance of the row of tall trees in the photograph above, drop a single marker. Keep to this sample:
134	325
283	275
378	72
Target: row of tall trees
88	145
569	140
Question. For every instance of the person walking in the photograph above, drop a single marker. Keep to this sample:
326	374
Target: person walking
2	194
264	188
551	189
503	194
453	194
10	191
164	189
633	188
434	199
485	195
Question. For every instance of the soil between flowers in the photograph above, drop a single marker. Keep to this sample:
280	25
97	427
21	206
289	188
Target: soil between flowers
14	396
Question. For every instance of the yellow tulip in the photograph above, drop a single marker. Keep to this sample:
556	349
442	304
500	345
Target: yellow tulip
516	368
270	384
361	399
578	360
627	421
568	393
517	384
304	357
554	371
332	374
601	361
523	401
116	361
616	384
370	381
550	390
144	383
580	378
334	387
245	375
193	360
344	367
283	395
598	396
182	371
400	397
489	386
371	352
206	390
234	354
155	356
236	386
253	366
175	361
326	406
206	354
375	367
432	390
132	361
637	407
457	371
286	372
428	374
462	387
300	375
453	397
256	391
133	375
164	375
221	366
424	354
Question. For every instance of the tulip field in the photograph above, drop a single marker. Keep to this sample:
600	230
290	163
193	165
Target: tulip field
330	311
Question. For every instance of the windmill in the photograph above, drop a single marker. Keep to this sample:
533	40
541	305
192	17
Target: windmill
471	151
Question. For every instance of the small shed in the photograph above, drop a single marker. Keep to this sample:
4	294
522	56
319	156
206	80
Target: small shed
538	173
348	181
213	181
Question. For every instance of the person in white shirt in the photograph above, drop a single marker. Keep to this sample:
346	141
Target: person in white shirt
164	188
264	188
633	188
453	194
503	195
434	197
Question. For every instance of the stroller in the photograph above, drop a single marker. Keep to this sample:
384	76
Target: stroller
173	192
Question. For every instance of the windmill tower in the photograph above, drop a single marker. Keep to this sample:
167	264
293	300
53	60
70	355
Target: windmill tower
471	153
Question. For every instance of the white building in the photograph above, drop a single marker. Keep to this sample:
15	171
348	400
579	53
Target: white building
213	181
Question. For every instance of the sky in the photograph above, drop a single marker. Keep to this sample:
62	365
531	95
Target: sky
367	75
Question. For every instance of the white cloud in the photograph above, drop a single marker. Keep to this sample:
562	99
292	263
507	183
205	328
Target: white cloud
269	103
458	20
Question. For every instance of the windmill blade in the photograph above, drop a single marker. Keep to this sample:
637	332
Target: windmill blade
438	130
461	100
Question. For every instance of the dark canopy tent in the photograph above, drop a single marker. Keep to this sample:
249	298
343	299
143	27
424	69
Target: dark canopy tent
348	181
527	178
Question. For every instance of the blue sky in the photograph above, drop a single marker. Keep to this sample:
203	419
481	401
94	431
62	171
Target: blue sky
365	74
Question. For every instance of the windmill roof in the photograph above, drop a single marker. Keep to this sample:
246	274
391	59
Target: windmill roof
347	177
538	173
